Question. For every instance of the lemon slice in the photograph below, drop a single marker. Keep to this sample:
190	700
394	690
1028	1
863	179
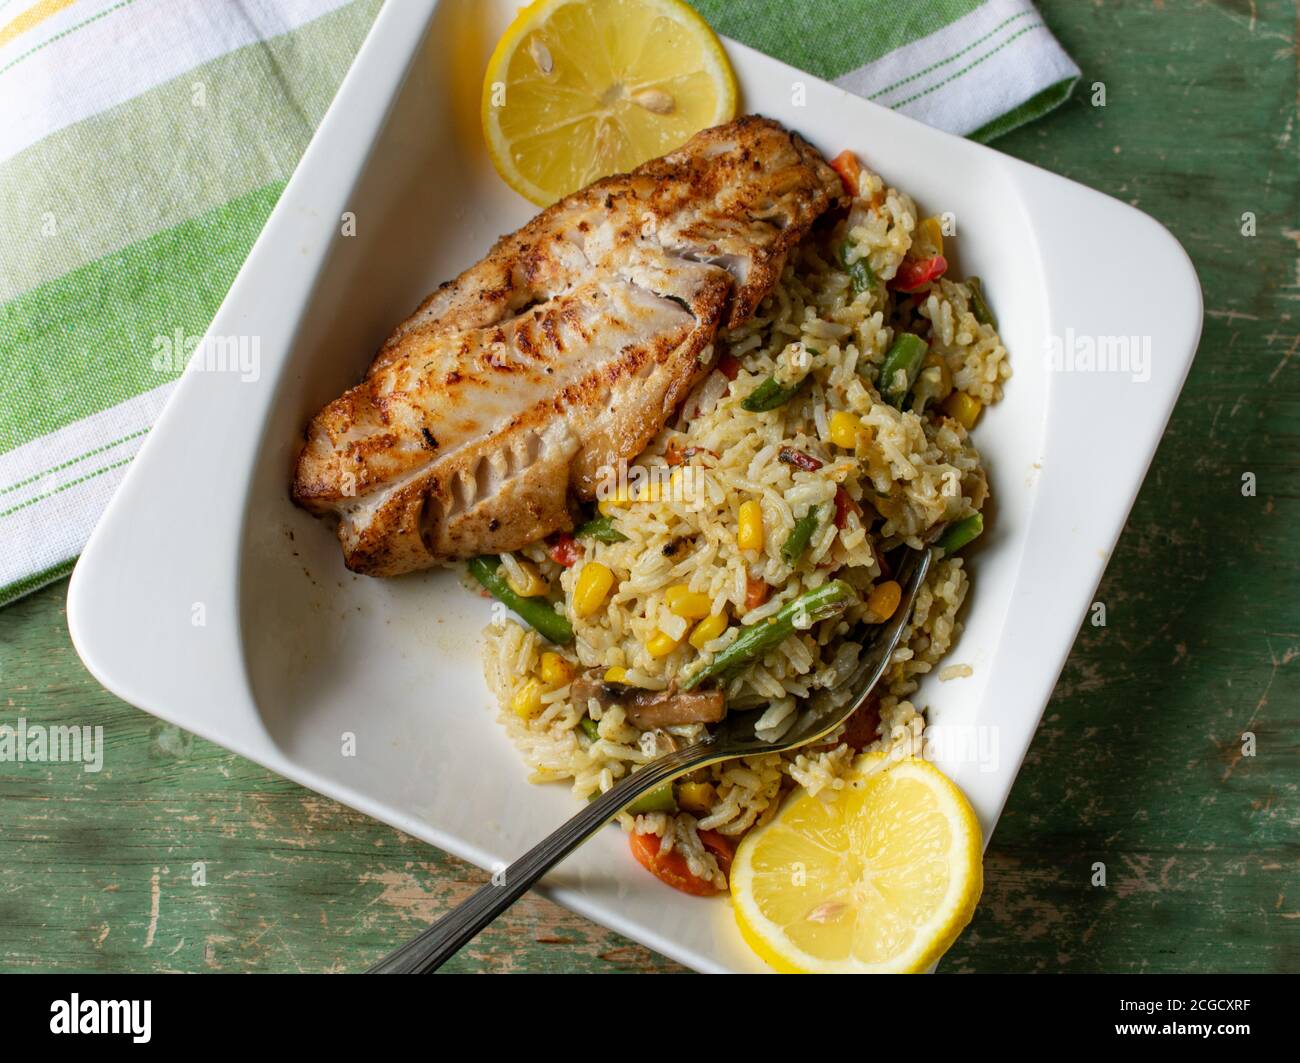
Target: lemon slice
580	89
879	879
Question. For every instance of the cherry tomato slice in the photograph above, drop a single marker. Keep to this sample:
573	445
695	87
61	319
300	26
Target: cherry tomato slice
669	868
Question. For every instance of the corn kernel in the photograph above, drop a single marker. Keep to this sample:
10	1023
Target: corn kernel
660	645
930	236
708	629
844	429
749	533
531	585
593	587
933	383
934	358
684	602
883	600
615	675
556	671
609	506
527	702
696	796
963	408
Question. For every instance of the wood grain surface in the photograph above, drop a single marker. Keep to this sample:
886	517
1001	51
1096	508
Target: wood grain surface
1138	764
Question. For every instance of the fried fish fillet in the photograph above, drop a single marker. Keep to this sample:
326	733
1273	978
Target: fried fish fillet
561	353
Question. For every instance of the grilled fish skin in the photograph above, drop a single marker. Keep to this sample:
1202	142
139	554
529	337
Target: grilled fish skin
562	352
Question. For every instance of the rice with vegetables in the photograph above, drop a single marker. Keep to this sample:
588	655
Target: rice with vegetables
833	430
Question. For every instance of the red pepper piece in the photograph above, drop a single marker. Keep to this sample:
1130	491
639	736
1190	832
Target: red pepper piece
846	164
563	548
799	459
914	274
844	505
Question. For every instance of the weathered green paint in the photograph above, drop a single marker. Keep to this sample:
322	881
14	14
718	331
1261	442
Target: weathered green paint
1137	763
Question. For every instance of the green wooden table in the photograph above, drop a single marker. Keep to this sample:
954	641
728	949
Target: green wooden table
1138	763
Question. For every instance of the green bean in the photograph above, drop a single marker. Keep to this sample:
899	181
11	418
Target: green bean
536	612
660	799
957	535
800	536
601	529
906	355
590	728
860	271
821	603
768	396
978	306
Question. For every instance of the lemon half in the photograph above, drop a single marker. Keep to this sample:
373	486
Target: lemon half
580	89
879	879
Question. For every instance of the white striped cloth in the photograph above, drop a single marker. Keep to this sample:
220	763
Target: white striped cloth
974	73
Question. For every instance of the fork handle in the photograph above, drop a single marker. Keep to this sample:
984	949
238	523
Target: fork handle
436	945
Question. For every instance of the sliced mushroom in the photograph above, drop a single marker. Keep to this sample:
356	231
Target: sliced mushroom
649	710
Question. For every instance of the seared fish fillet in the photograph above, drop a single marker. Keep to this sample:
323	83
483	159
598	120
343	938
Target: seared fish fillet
564	351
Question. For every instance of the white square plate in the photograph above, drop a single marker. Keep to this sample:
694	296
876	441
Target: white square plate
293	651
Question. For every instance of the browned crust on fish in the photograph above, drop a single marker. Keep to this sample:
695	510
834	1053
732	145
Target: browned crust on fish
564	351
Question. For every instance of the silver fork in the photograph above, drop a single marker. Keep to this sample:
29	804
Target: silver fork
732	738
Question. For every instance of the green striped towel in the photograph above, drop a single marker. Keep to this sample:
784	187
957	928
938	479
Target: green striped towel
144	142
